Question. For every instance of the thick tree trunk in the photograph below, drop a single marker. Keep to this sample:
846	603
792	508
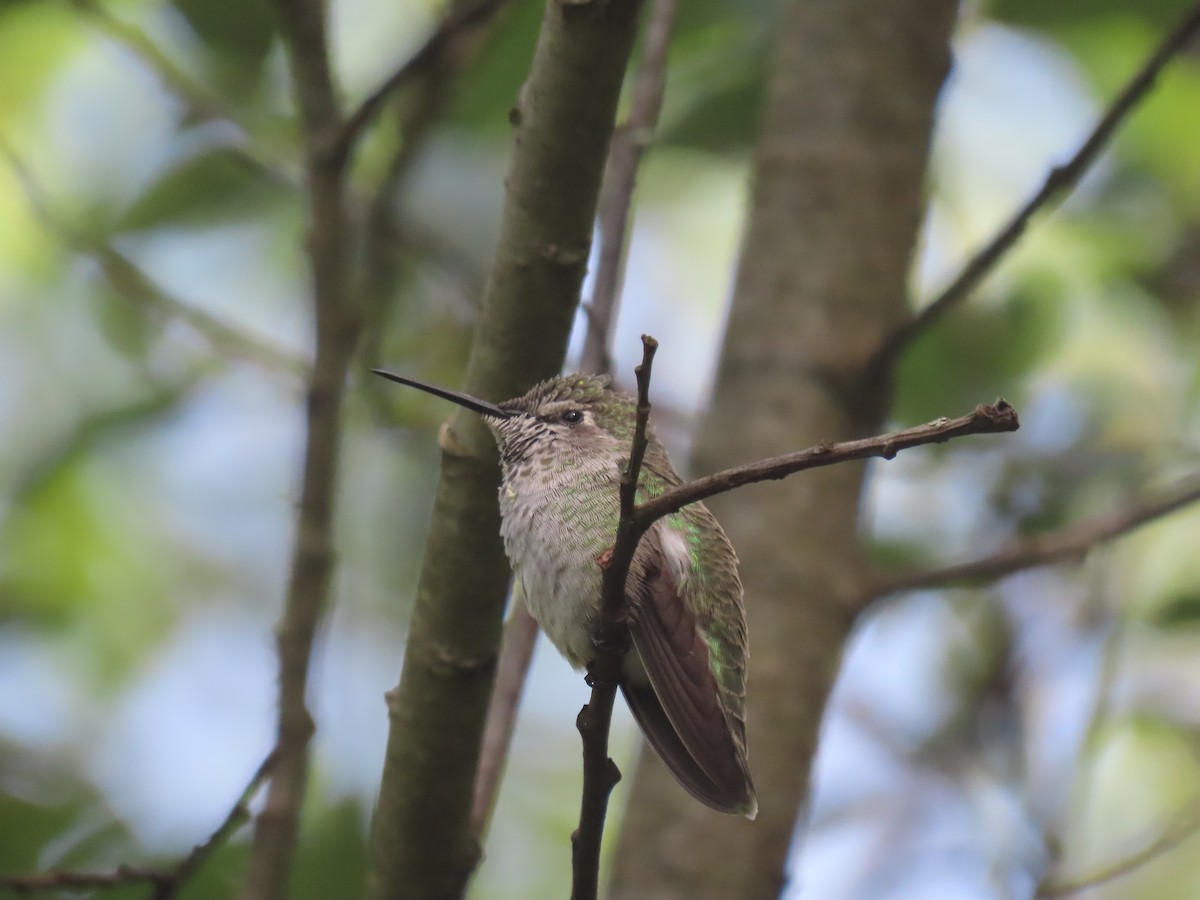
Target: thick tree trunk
836	210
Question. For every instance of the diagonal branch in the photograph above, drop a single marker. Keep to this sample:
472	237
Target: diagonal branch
984	419
390	246
128	280
512	670
1059	181
616	199
201	104
611	639
1071	542
166	883
337	324
460	25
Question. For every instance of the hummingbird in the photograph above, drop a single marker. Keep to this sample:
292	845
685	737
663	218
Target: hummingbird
563	445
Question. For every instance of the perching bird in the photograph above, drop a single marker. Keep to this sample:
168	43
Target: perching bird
562	447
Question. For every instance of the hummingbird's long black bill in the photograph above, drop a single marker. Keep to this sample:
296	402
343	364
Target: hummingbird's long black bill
465	400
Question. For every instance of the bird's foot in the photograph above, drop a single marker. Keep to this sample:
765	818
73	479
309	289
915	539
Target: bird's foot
602	675
610	643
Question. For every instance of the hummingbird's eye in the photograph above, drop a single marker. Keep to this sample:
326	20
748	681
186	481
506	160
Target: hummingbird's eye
572	416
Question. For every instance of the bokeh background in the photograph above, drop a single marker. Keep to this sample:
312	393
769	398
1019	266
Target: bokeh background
153	334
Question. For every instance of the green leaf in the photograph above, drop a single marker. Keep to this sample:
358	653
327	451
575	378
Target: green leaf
333	854
34	38
897	554
213	187
1181	611
84	554
717	85
1070	14
488	89
238	37
126	327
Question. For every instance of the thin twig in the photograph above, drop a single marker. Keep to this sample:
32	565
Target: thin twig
628	143
1071	542
166	882
432	73
128	280
516	654
611	639
1059	180
337	325
1102	621
200	102
460	24
1186	827
985	419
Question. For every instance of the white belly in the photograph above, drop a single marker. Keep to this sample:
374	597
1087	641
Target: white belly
553	535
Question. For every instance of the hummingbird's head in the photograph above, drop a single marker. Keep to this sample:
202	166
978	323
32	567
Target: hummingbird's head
567	415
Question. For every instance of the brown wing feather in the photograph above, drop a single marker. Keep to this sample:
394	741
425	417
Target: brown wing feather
652	720
675	656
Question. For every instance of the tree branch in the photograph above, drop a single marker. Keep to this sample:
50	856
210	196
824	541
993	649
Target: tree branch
616	195
166	883
1071	542
337	326
444	56
461	24
1060	180
201	104
516	654
1186	827
611	640
985	419
128	280
616	198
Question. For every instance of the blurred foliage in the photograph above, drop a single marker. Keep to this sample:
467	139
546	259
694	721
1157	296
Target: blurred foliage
149	475
206	189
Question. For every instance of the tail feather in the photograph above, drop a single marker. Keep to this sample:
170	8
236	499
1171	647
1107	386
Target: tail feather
727	796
